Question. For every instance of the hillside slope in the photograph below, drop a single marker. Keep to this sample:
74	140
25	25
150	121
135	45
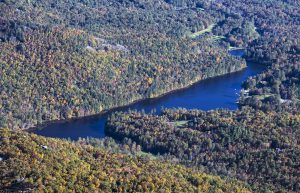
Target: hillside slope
75	58
37	164
246	144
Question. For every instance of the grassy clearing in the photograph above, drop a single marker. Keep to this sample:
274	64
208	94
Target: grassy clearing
199	33
179	123
261	97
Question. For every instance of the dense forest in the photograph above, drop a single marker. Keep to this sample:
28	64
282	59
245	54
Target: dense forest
276	89
63	59
259	143
30	163
75	58
259	148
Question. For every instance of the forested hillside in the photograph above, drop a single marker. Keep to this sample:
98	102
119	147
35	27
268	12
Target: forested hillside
63	59
36	164
278	45
74	58
259	143
259	148
276	89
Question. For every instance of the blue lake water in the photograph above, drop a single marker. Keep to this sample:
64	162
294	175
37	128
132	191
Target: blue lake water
213	93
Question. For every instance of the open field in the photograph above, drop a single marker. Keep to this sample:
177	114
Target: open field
199	33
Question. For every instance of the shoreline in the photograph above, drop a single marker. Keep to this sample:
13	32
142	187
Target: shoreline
45	124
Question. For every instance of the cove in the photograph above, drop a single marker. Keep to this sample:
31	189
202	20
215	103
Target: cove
213	93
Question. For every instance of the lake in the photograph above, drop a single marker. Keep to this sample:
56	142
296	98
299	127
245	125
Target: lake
213	93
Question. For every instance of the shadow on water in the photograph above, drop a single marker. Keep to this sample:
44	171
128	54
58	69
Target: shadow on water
218	92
